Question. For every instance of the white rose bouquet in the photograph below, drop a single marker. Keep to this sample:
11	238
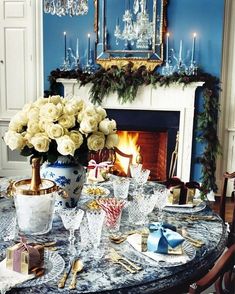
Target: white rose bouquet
55	126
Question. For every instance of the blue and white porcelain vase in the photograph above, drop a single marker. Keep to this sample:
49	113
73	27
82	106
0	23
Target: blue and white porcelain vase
67	174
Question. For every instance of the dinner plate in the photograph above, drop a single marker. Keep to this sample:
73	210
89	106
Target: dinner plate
53	264
170	260
185	209
95	191
163	260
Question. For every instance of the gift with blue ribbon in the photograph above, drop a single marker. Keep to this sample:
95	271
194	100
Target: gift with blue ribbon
162	238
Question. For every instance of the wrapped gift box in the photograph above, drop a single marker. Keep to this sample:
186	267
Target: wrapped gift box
162	238
97	172
181	193
25	258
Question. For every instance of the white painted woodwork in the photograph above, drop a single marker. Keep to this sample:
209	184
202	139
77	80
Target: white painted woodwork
227	99
174	98
20	69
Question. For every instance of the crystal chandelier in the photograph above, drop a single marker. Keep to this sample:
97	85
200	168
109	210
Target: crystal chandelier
140	30
66	7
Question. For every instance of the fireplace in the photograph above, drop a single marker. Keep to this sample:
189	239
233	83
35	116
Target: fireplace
175	99
150	134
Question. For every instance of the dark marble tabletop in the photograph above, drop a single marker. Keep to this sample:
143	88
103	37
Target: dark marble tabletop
106	277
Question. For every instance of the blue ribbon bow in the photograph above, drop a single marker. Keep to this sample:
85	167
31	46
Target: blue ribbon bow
160	237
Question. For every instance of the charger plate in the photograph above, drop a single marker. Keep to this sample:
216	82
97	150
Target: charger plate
185	209
53	264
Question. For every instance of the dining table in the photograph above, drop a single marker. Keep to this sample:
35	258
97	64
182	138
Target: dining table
103	275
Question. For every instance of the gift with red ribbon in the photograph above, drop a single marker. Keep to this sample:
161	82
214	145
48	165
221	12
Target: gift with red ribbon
25	258
97	170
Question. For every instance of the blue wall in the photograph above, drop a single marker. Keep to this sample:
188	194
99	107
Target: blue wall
205	17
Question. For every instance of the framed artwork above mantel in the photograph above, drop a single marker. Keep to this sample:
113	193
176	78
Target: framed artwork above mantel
132	32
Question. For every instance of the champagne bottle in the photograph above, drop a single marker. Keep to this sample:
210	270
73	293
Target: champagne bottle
36	179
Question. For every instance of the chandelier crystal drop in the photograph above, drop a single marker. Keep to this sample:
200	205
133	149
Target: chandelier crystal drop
66	7
140	31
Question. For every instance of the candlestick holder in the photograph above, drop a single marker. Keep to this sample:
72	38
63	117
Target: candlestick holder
65	66
167	69
74	60
192	69
89	67
180	66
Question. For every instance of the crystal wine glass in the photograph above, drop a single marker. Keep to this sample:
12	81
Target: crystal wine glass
95	219
142	178
135	169
161	194
71	218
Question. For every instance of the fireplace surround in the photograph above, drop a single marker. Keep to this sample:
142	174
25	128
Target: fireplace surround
174	98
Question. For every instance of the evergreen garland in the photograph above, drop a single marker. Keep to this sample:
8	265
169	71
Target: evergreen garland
125	82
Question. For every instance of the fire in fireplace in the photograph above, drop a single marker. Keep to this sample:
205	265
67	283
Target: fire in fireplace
149	147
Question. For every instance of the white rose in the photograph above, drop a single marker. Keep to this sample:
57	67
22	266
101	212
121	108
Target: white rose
90	110
43	123
55	99
28	137
67	121
15	126
18	121
96	141
77	138
33	113
14	140
51	111
40	142
40	102
73	106
111	141
101	112
88	125
54	131
33	127
107	126
66	146
80	116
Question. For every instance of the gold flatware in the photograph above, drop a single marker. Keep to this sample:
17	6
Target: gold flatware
197	243
63	279
199	217
126	263
76	268
119	238
51	248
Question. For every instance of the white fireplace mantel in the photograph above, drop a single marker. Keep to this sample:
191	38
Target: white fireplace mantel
173	98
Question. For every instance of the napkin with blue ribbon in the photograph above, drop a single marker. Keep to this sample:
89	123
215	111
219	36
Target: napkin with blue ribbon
161	243
163	238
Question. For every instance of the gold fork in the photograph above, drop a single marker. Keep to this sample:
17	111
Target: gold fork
129	265
195	242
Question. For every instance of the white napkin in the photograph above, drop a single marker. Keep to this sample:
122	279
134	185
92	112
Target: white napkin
9	278
135	241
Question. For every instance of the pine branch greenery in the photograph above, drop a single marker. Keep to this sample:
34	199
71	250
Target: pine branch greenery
125	81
